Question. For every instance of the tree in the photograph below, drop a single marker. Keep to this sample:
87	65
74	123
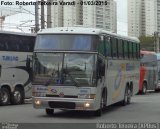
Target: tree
147	43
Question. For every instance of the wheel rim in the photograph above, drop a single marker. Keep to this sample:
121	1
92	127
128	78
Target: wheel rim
4	97
144	89
128	96
102	103
17	96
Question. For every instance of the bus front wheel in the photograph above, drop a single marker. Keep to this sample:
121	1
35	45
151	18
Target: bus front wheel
49	111
102	106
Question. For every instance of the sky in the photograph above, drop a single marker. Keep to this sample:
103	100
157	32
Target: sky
15	21
122	17
26	18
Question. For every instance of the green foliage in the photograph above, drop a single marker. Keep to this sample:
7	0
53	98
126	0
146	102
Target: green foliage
147	43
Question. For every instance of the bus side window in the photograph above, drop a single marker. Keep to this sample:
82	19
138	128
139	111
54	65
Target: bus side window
130	49
126	52
134	50
120	48
114	47
108	50
101	46
138	50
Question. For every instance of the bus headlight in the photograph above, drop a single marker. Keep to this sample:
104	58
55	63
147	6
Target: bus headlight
37	102
87	96
87	105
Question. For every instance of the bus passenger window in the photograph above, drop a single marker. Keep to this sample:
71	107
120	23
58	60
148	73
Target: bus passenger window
134	50
138	51
108	50
126	52
101	47
114	47
120	48
130	49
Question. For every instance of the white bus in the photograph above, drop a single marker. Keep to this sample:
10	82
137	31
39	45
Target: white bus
83	69
16	50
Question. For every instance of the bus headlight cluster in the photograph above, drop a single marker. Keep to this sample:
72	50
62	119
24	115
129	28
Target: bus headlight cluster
87	105
37	102
87	96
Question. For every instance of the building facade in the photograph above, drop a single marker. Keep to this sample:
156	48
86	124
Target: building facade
104	16
143	17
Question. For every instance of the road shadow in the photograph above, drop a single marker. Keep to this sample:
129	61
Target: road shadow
84	114
14	105
150	92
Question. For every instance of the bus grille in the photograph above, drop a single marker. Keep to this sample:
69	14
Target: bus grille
66	105
65	96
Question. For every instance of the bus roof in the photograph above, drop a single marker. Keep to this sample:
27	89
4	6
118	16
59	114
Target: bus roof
147	52
17	33
83	30
151	57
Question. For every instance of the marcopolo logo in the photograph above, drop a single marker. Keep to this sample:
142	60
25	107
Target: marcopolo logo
54	91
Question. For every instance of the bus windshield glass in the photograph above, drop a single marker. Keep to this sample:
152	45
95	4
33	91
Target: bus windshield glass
65	69
67	42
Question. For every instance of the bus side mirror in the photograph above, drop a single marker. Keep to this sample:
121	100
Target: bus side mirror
28	63
101	69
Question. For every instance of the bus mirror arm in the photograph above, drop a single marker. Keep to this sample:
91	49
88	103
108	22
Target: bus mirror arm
101	72
28	63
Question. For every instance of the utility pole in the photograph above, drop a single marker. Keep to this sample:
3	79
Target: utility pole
48	15
42	15
157	41
36	17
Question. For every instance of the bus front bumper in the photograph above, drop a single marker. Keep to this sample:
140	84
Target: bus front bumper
64	103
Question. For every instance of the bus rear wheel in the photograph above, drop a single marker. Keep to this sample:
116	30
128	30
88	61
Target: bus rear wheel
144	90
5	96
49	111
127	96
17	96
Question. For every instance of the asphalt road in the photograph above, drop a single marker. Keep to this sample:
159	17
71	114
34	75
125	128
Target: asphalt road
144	108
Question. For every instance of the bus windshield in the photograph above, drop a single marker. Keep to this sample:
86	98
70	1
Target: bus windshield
65	69
67	42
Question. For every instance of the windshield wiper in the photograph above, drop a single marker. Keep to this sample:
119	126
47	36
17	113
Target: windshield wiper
48	81
66	72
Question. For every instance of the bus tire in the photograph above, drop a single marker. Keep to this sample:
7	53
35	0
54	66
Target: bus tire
17	96
144	89
102	106
49	111
127	96
5	96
